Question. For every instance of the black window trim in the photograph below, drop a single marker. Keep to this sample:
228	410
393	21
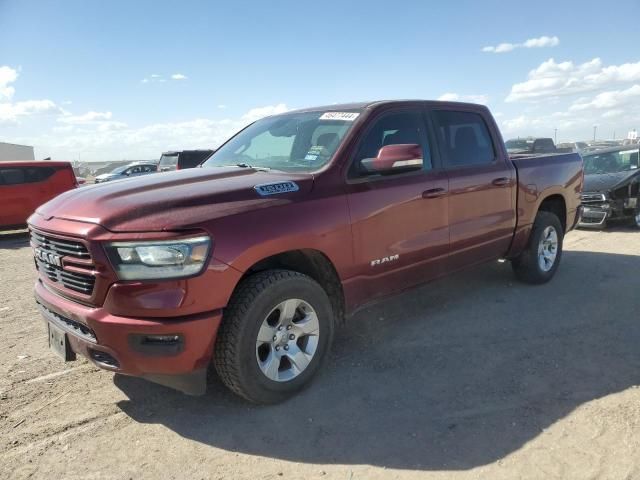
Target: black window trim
436	165
443	156
25	168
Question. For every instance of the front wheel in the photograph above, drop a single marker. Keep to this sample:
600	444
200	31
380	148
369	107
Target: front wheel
275	335
539	262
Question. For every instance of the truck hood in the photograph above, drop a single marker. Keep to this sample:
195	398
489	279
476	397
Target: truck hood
174	200
607	181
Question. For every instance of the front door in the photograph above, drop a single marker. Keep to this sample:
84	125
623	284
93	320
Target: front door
399	221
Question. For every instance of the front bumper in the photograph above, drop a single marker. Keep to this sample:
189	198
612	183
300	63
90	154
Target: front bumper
597	215
594	217
117	343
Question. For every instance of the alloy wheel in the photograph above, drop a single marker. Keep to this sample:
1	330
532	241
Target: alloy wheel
287	340
548	249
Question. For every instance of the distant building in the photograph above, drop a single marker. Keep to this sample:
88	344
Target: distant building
10	151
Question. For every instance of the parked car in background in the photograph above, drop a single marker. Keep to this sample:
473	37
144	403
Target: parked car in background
567	147
611	186
170	161
530	145
26	185
249	263
602	144
127	171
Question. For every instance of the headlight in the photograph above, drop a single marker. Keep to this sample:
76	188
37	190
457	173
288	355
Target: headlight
159	259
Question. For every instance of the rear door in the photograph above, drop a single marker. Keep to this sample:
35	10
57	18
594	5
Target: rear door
399	220
482	187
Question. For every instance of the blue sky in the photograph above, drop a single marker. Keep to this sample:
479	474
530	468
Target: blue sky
76	77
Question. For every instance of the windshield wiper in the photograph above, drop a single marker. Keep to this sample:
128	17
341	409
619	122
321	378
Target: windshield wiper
246	165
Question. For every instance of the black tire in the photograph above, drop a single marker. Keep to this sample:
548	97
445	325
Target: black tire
235	350
527	267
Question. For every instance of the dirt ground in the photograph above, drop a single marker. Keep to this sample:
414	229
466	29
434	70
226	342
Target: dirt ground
476	376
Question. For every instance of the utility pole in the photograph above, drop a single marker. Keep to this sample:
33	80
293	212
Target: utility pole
555	135
595	129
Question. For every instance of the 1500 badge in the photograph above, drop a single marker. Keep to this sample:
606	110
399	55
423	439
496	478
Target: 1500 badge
276	187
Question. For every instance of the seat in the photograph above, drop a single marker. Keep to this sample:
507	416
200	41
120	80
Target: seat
465	148
327	140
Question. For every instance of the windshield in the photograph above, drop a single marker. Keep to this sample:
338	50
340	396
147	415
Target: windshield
296	142
518	144
610	162
120	169
168	160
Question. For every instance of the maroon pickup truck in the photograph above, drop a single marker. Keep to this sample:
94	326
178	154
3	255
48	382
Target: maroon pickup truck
249	263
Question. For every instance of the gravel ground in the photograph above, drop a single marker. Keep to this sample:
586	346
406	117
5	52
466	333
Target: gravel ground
475	376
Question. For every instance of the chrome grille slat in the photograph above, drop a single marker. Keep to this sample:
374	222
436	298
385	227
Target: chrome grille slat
77	282
592	198
66	247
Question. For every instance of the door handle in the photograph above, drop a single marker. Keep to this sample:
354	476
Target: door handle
434	193
501	182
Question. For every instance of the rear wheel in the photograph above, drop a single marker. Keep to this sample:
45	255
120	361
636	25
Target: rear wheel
274	337
539	262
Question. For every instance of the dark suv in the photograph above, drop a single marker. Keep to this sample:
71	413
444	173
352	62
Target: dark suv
170	161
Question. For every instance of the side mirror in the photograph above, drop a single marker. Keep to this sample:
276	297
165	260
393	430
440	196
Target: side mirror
403	157
126	173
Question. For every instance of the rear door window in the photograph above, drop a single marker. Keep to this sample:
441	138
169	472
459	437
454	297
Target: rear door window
463	138
19	175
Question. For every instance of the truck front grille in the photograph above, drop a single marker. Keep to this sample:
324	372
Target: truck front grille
59	246
64	262
73	281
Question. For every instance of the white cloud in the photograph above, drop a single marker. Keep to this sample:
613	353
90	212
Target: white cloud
153	78
551	79
7	75
158	78
110	140
11	112
500	48
608	100
222	106
257	113
89	117
540	42
516	123
455	97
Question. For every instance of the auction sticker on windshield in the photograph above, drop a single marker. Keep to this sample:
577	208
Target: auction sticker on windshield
345	116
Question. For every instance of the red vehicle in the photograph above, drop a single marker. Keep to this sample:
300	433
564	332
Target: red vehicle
26	185
250	262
